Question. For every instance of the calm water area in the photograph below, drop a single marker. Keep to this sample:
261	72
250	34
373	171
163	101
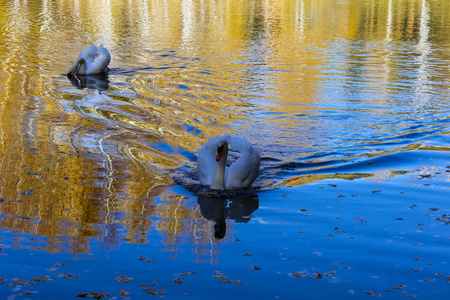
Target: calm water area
347	102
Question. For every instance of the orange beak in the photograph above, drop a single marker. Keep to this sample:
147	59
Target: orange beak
219	153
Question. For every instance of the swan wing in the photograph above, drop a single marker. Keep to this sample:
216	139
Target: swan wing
89	54
100	60
245	170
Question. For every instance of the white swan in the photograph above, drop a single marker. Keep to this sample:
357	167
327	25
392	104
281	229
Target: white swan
212	159
91	61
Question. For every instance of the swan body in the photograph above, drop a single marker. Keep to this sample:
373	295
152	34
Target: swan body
91	61
212	159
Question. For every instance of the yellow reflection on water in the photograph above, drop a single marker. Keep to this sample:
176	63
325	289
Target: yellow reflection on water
71	160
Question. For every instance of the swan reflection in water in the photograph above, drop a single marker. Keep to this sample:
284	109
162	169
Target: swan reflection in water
98	82
238	208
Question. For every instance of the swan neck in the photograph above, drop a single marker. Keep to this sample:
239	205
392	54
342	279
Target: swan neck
218	179
78	67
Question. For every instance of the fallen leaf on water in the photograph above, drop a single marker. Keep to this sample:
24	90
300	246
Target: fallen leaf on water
416	269
359	219
123	292
62	265
178	280
225	279
146	259
372	293
93	295
301	274
123	279
318	275
153	291
254	267
68	276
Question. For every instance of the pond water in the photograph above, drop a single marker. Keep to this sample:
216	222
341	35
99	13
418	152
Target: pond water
347	102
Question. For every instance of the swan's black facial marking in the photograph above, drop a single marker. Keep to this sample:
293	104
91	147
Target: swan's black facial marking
219	152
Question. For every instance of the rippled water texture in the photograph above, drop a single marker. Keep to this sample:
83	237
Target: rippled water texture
347	102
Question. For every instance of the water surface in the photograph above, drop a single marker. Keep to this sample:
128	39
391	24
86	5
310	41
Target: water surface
347	102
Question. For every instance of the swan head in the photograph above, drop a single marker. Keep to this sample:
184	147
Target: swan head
222	145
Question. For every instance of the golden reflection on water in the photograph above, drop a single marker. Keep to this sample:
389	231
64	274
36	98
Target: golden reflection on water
87	163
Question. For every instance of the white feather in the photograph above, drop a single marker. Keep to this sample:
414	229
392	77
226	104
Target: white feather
241	173
91	61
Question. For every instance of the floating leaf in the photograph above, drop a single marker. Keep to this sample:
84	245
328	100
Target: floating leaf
359	219
68	276
123	279
62	265
297	274
146	259
254	267
178	280
123	293
93	295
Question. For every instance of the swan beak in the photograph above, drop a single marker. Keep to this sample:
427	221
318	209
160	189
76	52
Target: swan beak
219	153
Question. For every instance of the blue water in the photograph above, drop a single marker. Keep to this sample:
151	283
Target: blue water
347	103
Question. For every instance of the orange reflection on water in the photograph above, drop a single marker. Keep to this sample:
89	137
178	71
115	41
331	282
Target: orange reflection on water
87	163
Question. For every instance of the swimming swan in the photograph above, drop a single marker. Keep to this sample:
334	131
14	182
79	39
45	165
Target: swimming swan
91	61
212	159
